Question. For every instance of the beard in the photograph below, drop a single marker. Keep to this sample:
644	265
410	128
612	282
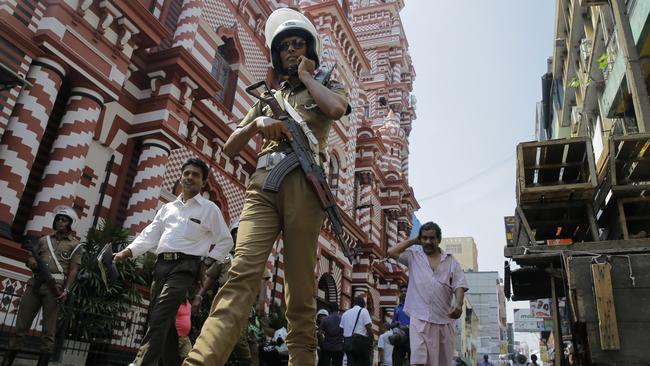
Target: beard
291	70
429	249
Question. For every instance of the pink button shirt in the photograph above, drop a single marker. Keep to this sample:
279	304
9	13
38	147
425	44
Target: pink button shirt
430	293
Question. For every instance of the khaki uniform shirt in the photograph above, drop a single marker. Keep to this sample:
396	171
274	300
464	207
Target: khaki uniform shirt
63	249
300	99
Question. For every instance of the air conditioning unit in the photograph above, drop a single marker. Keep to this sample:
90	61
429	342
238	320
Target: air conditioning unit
585	50
576	120
593	2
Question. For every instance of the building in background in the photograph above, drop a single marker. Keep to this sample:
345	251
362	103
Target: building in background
120	93
583	184
484	295
464	250
467	333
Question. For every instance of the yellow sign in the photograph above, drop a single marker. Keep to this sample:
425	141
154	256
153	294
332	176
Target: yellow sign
503	347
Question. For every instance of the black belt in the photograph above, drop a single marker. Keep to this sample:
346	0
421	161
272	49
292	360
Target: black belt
175	256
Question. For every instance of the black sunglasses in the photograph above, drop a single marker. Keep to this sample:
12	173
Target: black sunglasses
297	44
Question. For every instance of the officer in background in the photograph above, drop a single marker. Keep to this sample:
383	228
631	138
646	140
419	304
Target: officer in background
55	261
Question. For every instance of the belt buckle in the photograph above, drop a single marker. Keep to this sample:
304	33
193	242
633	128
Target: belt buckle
169	256
273	159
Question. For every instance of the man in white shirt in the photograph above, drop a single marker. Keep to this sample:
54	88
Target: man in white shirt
385	347
182	233
357	321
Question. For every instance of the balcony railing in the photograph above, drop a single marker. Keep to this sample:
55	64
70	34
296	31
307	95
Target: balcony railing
113	341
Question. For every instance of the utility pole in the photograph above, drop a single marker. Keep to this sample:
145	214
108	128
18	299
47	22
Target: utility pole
633	70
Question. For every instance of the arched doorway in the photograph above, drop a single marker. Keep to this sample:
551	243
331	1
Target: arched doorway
327	292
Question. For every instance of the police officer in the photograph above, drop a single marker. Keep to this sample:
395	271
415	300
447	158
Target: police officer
246	350
182	233
294	210
61	254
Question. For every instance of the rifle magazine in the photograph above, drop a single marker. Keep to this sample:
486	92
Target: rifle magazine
277	174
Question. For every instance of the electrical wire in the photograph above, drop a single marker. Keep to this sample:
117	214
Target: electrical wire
468	180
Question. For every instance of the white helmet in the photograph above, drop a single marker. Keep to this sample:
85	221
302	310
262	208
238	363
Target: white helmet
284	22
68	212
322	312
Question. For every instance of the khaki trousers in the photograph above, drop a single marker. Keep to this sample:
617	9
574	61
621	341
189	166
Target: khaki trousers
295	211
35	297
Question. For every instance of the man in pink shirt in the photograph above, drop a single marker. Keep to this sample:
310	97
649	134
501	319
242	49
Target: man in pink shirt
434	277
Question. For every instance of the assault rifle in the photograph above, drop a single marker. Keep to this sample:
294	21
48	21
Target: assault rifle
301	155
42	272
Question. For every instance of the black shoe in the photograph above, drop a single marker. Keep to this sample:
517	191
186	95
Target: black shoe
10	356
43	359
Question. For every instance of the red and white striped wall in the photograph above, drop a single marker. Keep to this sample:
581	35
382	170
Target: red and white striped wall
67	158
145	191
188	24
24	131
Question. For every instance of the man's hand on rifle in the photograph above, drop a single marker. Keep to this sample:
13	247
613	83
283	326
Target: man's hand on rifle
31	263
272	129
63	296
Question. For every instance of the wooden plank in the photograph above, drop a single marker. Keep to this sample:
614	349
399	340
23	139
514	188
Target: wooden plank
593	226
591	169
621	219
551	154
557	331
604	296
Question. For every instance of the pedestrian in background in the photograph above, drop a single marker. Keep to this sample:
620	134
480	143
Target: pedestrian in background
384	347
435	278
400	327
332	350
182	233
357	334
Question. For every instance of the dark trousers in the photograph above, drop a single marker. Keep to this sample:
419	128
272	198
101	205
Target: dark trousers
402	351
359	357
330	358
399	355
172	281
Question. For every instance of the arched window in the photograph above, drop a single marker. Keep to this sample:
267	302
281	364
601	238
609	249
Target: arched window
229	53
224	75
327	291
334	172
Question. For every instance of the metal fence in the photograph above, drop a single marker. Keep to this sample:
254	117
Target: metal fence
111	340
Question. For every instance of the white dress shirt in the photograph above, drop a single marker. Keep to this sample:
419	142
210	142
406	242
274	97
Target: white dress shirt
350	316
384	344
190	228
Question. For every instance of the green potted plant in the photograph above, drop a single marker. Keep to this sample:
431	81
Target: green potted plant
97	309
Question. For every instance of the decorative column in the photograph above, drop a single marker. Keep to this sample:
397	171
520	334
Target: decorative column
145	192
21	139
67	158
391	227
188	24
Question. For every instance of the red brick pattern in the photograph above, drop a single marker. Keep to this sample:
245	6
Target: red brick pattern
20	140
67	158
145	191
